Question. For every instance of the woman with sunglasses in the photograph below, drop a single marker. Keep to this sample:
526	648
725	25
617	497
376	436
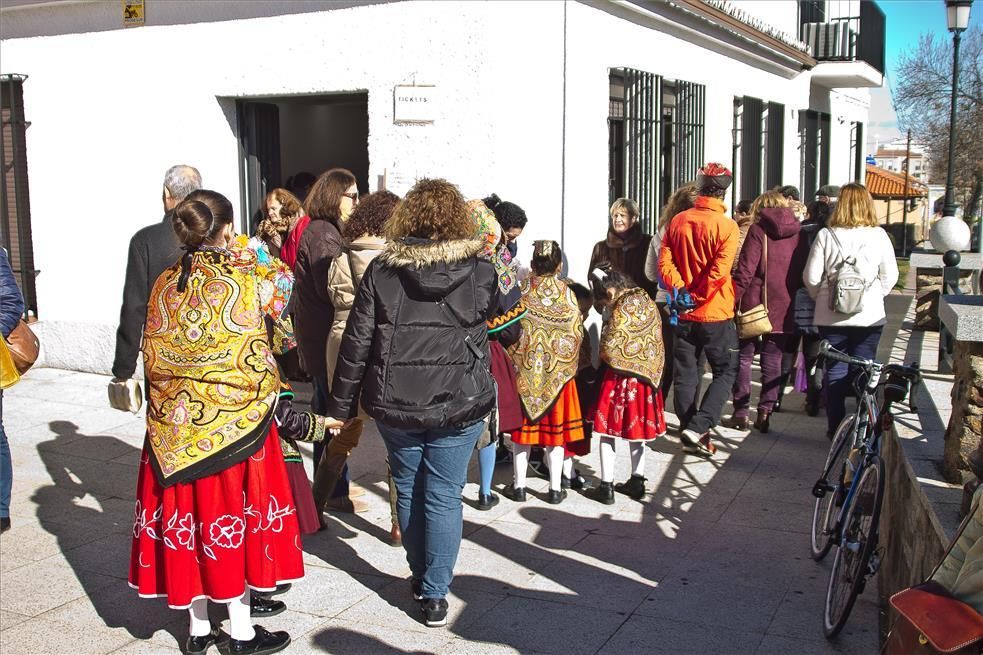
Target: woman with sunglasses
329	204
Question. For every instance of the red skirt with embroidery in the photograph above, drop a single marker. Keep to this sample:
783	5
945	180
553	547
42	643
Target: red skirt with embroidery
503	370
214	537
561	425
628	408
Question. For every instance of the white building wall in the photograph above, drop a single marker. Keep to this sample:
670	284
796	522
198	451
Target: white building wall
111	110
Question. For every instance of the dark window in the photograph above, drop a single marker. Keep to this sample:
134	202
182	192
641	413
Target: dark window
814	130
758	142
15	204
655	138
857	158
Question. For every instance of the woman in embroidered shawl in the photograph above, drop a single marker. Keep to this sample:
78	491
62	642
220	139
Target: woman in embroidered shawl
214	514
546	358
503	332
629	402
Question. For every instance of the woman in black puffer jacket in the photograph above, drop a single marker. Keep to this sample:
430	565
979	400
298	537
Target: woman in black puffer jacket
416	349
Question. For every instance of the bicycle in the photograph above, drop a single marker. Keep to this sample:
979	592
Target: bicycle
851	489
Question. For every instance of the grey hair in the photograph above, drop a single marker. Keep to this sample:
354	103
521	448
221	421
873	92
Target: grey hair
181	180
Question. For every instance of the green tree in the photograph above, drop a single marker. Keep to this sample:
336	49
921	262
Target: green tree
922	95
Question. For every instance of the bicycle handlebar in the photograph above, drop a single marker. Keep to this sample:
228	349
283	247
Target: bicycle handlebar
909	372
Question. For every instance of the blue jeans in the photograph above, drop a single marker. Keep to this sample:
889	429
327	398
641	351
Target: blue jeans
429	468
858	342
319	405
6	469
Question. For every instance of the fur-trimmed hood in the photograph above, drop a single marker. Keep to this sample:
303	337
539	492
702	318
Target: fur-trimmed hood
433	268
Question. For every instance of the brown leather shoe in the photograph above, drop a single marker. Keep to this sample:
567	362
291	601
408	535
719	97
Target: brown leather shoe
762	423
395	536
742	423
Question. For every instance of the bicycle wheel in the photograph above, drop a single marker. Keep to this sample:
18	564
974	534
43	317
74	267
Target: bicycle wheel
859	539
827	508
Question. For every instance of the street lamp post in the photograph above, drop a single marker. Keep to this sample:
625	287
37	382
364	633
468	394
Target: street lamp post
957	17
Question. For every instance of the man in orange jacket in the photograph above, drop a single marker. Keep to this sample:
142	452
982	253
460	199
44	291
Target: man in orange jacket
695	262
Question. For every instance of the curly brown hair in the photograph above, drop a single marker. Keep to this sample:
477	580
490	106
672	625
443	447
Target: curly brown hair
370	216
433	209
323	202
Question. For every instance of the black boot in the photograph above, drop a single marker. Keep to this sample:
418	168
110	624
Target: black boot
602	493
260	607
198	645
634	487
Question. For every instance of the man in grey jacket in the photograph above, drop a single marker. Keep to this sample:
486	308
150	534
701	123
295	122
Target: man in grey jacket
152	250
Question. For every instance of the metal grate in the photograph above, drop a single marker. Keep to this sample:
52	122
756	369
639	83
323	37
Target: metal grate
15	205
814	146
758	143
688	123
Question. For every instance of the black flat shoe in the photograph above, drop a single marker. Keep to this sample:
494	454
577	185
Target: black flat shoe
264	643
515	495
260	607
4	524
280	589
198	645
555	497
634	487
602	493
486	502
577	482
416	584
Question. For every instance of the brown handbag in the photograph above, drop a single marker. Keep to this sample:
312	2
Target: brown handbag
931	620
755	322
24	347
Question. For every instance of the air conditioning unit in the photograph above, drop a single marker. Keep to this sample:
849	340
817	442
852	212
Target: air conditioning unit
829	40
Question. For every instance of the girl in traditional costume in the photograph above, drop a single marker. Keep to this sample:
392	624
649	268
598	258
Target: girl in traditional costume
214	515
629	402
503	332
546	358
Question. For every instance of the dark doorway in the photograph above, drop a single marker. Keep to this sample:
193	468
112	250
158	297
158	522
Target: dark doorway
282	136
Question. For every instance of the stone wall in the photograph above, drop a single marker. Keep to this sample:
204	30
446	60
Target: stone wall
928	289
966	423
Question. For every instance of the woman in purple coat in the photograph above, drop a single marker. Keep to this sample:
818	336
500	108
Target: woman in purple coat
777	232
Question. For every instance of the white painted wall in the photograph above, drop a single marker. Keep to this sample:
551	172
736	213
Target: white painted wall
111	110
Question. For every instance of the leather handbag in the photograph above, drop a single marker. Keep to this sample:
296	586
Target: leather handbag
755	322
931	620
24	347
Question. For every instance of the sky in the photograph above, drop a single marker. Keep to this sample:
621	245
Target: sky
906	21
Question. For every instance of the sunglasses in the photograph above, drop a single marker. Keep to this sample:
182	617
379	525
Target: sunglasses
351	196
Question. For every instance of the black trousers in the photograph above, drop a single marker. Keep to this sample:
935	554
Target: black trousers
718	341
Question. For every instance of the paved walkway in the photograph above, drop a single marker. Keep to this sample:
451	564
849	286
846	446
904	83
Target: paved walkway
714	560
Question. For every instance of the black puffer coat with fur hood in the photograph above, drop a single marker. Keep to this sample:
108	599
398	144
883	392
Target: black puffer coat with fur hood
416	344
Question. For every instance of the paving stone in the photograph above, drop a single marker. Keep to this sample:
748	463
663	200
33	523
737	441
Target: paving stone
340	637
52	638
769	513
393	607
30	541
643	634
775	645
140	647
40	586
720	603
10	619
529	624
117	608
578	580
327	592
492	573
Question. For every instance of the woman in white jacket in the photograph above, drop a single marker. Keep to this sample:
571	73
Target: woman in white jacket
852	232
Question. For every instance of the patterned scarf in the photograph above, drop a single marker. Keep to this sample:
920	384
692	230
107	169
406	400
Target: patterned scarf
547	353
490	232
631	342
211	375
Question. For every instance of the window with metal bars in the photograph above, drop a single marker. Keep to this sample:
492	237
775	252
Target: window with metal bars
814	147
759	138
15	204
655	137
857	158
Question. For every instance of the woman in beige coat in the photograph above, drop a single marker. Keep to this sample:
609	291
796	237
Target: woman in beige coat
362	243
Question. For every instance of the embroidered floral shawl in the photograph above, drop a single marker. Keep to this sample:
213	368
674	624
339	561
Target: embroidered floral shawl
211	375
631	342
547	352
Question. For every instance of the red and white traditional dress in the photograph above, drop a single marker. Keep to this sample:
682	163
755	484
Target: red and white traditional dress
214	509
546	358
629	401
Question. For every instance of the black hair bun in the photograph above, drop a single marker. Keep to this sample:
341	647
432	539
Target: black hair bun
492	201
